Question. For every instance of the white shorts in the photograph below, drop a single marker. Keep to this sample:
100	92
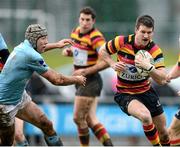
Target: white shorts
8	112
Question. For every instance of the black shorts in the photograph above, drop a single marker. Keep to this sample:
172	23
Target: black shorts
93	86
177	115
149	98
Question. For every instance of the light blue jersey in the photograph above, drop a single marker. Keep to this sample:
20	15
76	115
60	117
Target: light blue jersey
19	67
2	43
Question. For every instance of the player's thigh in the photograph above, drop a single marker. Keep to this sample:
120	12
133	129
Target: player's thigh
138	110
32	114
82	105
92	111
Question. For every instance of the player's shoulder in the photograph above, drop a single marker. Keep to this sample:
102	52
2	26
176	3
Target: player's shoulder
96	32
76	29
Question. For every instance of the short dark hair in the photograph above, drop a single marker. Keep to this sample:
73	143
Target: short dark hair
145	20
89	11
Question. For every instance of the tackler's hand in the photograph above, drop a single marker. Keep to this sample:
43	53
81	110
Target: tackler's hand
118	66
81	80
65	43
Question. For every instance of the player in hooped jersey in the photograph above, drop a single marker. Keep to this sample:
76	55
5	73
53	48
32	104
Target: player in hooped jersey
135	96
87	41
173	129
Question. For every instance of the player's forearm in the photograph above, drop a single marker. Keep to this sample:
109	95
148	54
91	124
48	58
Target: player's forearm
158	75
59	79
66	80
101	65
51	46
174	73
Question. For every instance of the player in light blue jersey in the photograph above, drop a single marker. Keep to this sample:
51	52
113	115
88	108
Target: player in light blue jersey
4	53
24	60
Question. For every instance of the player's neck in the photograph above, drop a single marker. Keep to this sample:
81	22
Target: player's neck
138	45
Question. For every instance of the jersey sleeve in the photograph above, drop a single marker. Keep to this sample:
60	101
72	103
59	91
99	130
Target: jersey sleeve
97	40
115	44
38	64
157	54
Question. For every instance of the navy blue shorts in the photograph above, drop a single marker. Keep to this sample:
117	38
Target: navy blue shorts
149	98
92	88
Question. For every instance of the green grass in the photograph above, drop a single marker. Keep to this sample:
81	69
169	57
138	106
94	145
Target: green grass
54	58
170	57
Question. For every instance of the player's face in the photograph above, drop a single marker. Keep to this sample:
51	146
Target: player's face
41	44
86	22
143	35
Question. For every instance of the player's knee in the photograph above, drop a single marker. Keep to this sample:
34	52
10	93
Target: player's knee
145	117
79	120
19	136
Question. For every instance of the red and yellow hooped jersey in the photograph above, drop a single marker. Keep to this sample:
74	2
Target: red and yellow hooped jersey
130	81
86	45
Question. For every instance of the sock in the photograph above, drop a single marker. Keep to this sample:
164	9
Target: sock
84	136
175	142
53	140
22	143
102	135
152	134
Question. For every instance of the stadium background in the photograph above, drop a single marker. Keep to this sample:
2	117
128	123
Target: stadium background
114	17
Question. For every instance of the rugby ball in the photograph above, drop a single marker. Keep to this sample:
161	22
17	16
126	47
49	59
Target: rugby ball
143	54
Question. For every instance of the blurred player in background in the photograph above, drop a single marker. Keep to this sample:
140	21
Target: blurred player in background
135	95
87	41
174	131
14	101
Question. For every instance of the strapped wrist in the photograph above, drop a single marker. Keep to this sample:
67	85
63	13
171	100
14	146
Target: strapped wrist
151	68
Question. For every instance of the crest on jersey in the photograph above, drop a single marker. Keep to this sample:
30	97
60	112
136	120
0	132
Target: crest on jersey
42	63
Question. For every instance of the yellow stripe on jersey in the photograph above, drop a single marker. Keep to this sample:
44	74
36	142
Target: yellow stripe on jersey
156	52
83	39
110	49
98	44
95	33
117	43
128	51
91	62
